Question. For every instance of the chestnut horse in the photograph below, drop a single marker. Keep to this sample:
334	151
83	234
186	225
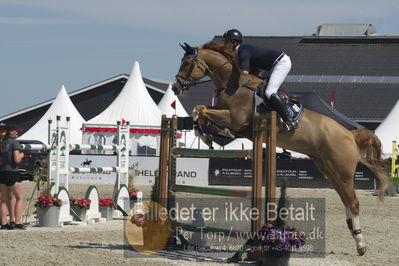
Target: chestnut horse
335	149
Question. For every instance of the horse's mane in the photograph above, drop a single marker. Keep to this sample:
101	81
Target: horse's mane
220	47
227	52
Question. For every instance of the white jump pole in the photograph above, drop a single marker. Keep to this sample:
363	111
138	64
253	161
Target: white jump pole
123	153
62	154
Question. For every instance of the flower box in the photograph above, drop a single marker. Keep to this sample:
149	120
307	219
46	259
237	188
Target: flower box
107	212
81	212
48	210
49	216
80	207
107	206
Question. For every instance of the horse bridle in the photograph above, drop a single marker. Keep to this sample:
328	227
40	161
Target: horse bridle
185	82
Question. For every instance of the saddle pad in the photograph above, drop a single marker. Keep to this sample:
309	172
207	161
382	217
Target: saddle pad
295	110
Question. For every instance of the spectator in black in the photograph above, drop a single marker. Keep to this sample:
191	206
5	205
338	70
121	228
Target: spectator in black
10	180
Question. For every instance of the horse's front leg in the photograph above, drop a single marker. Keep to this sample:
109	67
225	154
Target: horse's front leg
199	132
227	121
201	124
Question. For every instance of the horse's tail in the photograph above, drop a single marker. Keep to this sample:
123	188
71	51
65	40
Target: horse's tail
371	155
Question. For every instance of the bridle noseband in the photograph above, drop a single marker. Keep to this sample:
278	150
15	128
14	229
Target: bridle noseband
185	82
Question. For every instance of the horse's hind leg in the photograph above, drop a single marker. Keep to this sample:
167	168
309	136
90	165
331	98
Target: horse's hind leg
340	171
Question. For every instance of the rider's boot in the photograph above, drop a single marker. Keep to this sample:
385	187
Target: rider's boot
281	108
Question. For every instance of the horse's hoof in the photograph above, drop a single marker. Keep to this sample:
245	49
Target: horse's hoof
361	250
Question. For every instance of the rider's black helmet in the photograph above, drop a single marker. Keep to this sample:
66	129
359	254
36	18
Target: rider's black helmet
233	34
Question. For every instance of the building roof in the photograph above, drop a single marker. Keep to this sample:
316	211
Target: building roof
362	102
334	55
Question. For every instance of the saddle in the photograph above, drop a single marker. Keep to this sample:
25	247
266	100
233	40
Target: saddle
260	91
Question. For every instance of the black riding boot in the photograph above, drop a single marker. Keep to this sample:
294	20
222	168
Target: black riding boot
281	108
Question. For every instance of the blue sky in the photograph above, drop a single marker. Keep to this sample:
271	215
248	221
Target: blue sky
47	43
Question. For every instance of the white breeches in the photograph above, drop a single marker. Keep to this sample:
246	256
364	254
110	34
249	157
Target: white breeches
278	75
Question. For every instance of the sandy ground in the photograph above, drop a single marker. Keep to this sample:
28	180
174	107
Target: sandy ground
103	243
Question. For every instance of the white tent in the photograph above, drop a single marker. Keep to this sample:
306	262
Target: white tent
187	138
135	105
165	105
388	130
61	106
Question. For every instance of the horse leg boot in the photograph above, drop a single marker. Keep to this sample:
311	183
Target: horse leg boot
353	223
219	130
199	132
281	108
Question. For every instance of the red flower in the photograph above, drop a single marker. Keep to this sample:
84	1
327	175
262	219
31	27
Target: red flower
107	202
44	201
81	203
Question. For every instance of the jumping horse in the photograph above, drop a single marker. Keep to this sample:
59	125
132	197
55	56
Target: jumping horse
335	149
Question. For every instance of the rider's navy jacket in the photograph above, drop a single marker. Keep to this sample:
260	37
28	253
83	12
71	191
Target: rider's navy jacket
251	56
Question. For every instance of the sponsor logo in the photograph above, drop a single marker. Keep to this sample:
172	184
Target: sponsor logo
87	163
217	172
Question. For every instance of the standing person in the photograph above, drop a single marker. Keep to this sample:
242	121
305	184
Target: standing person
10	180
3	132
10	201
257	57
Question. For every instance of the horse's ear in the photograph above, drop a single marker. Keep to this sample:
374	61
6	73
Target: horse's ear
187	45
183	46
190	48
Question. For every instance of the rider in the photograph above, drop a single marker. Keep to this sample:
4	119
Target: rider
251	56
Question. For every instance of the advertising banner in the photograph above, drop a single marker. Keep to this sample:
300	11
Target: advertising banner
189	171
298	173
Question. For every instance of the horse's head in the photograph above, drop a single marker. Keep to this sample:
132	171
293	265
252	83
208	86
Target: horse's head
192	68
